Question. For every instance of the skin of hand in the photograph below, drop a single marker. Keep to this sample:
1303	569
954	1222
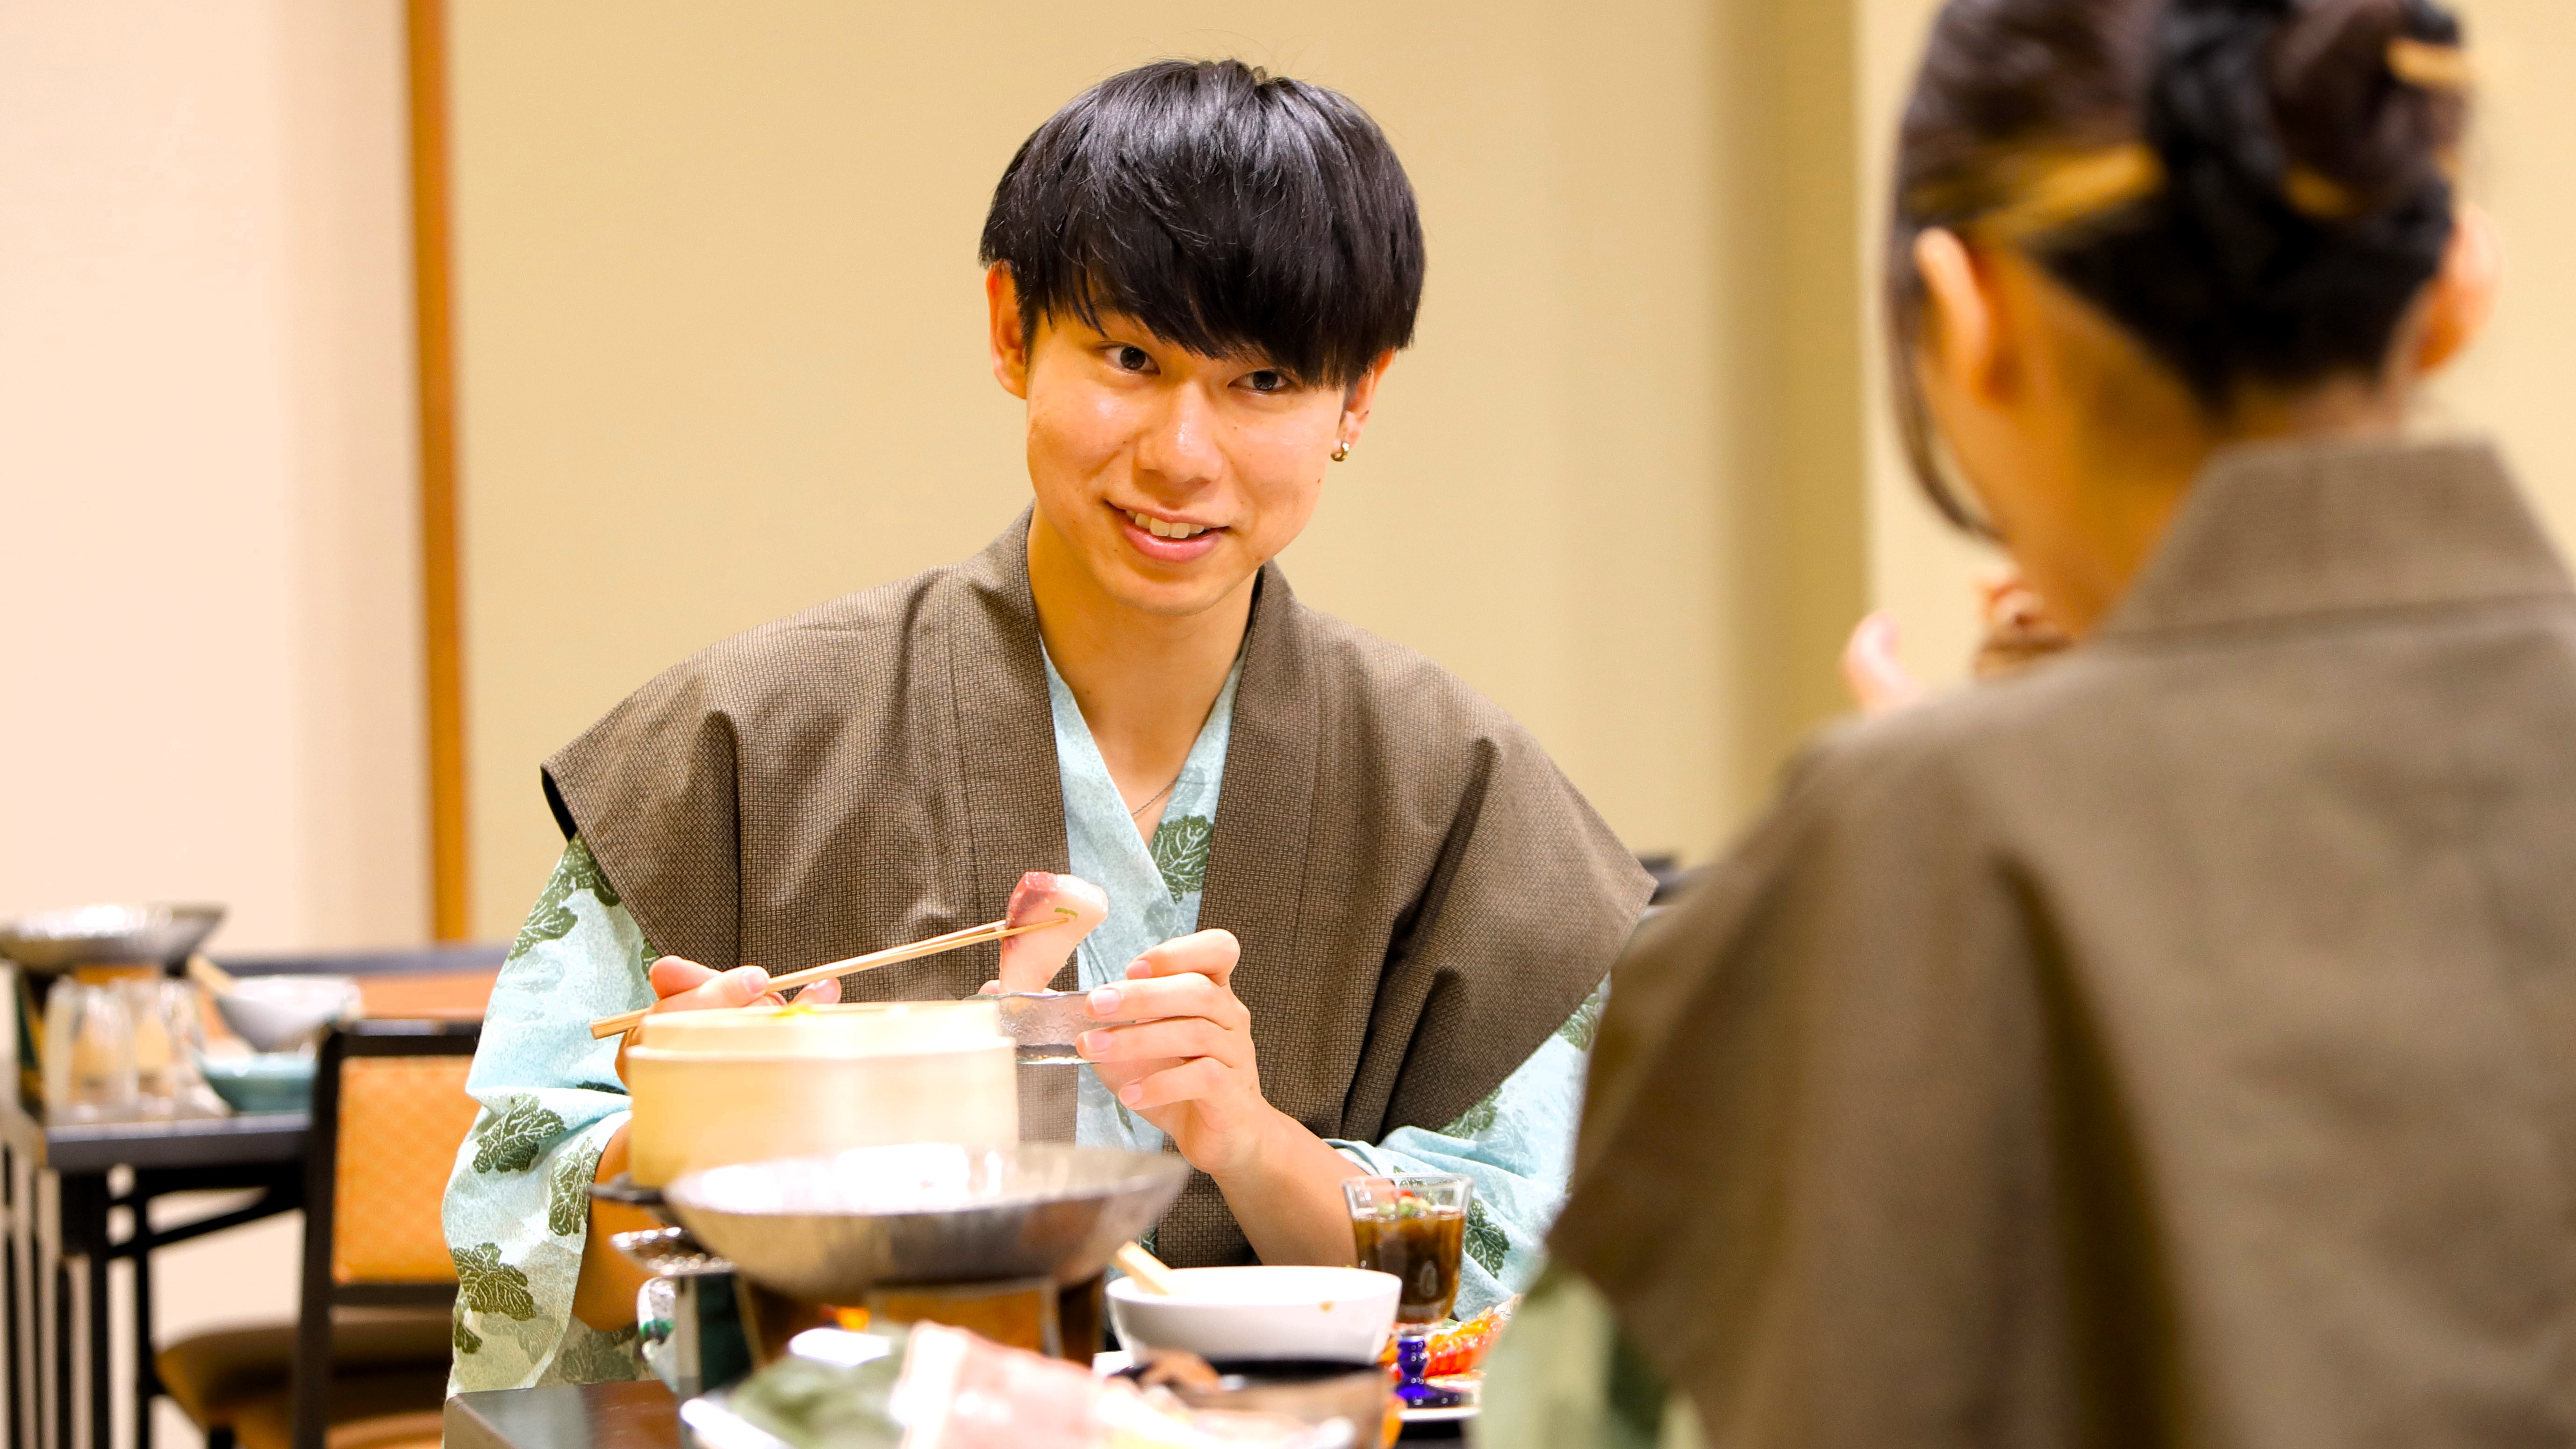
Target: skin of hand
1176	1048
1873	675
604	1294
2018	633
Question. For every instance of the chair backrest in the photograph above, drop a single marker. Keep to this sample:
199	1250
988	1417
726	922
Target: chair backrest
401	1119
389	1111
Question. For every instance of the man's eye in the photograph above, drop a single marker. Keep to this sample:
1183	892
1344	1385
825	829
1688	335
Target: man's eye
1266	380
1130	358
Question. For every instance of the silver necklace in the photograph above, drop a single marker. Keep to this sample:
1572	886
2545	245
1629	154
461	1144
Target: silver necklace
1157	795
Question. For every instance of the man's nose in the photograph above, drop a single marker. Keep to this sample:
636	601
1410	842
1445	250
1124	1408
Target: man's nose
1180	447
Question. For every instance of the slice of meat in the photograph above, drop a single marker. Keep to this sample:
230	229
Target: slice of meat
1029	962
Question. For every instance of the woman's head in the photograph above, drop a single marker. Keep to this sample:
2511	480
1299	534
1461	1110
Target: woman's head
1197	273
2137	229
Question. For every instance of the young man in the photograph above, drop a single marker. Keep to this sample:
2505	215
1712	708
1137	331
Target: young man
1377	954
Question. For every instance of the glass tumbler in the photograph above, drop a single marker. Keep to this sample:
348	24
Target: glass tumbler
1415	1227
89	1052
163	1014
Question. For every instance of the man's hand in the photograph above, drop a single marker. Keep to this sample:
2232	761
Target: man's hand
1179	1052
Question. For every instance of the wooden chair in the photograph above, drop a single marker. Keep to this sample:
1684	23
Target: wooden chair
365	1366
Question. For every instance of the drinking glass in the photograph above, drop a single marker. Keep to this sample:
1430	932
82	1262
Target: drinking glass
163	1015
89	1052
1413	1225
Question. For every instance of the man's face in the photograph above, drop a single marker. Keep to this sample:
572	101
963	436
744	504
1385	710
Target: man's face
1170	476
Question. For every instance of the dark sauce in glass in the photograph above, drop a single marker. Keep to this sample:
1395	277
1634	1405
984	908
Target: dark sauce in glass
1421	1248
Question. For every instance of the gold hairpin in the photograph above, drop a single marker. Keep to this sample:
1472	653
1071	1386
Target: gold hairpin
2321	197
2433	67
2066	188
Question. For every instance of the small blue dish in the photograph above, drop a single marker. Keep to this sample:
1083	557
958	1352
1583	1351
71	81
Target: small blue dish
266	1082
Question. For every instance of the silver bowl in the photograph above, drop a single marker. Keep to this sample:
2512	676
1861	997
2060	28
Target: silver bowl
828	1229
160	935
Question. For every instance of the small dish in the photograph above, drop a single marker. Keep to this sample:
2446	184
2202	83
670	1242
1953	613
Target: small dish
158	935
266	1082
1262	1313
1316	1393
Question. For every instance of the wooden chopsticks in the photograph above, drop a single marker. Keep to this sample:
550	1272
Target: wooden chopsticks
1150	1272
935	945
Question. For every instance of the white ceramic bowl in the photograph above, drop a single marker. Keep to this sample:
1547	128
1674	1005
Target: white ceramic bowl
281	1013
1342	1315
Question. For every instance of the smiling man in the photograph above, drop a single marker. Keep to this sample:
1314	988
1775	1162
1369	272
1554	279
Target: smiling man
1356	918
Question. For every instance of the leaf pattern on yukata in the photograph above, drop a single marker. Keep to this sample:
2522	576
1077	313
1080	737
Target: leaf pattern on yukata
512	1139
551	918
466	1339
591	1356
1486	1243
1180	850
568	1191
1478	1120
487	1285
1585	1023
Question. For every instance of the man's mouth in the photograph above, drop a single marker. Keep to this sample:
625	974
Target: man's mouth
1161	529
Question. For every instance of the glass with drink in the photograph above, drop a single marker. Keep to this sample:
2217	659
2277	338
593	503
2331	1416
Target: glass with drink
1415	1227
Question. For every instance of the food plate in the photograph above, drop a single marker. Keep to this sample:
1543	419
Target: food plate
1454	1414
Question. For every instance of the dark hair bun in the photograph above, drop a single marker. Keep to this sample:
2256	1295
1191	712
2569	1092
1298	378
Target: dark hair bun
2304	196
2306	200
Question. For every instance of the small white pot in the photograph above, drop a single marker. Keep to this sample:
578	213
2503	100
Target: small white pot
718	1087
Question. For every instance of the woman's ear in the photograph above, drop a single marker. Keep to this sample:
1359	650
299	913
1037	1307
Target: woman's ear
2463	294
1006	336
1961	336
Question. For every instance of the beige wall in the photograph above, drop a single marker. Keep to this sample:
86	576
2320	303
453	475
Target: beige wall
207	627
720	329
210	635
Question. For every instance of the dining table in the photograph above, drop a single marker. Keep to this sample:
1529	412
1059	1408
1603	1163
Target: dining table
76	1198
626	1416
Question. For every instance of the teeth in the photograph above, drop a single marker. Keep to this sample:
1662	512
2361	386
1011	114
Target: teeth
1160	529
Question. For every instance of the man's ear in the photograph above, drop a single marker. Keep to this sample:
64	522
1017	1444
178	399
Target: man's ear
1361	397
2462	296
1005	335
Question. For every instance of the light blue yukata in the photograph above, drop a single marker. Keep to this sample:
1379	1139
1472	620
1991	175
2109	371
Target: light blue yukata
1517	1144
517	1214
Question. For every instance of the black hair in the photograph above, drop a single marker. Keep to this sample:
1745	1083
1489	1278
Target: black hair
1226	209
2294	156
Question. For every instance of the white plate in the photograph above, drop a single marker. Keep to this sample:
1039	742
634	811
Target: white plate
1451	1415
